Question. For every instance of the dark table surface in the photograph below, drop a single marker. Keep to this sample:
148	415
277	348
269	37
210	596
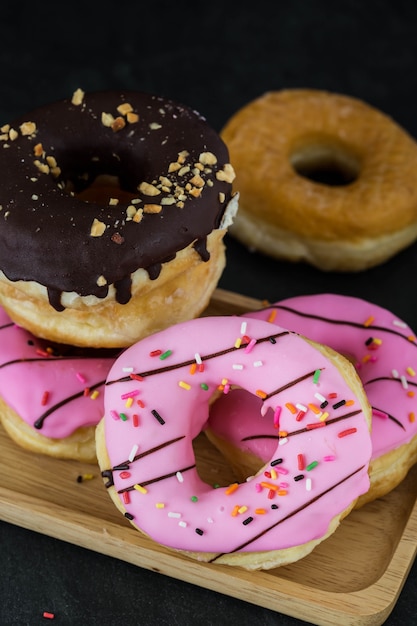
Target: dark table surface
216	57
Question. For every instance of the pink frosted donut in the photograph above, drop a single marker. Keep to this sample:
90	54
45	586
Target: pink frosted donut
51	397
384	351
157	401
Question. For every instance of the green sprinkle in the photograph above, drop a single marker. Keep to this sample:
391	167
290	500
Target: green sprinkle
316	376
194	499
166	354
123	416
312	465
204	386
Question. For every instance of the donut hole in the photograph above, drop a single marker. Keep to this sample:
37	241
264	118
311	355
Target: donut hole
325	161
97	179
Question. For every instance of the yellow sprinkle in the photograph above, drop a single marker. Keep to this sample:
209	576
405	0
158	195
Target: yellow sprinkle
274	474
242	509
231	488
224	381
314	408
140	488
238	342
323	417
272	315
377	341
95	394
235	510
260	511
411	418
410	371
369	321
129	403
291	408
160	505
184	385
88	476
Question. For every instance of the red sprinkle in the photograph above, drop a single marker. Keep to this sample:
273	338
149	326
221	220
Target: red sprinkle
155	353
301	462
136	376
45	398
348	431
300	416
48	615
315	425
86	392
126	497
135	418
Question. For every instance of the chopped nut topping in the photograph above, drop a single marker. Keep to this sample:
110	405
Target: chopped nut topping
28	128
168	200
35	197
152	208
117	238
173	167
118	124
182	156
113	201
51	161
132	118
184	170
5	128
222	197
227	174
130	211
207	158
77	97
149	190
97	228
195	191
55	171
13	134
101	281
197	181
38	150
107	119
138	216
42	167
154	126
124	108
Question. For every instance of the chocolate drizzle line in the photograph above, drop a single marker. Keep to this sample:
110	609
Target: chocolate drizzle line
328	320
39	422
125	464
304	430
288	516
168	368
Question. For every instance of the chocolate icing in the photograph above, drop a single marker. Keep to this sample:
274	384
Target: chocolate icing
45	231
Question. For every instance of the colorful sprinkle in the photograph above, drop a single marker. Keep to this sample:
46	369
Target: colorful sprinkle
165	355
345	433
158	417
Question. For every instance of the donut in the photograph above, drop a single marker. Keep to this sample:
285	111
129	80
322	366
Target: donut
323	178
383	349
51	396
146	456
113	209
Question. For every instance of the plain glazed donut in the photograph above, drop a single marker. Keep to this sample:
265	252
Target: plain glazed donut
383	349
323	178
156	402
113	208
51	397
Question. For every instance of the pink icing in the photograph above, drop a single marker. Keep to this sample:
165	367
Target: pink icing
387	366
49	391
149	437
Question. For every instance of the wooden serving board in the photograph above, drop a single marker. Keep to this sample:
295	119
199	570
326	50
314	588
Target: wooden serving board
354	577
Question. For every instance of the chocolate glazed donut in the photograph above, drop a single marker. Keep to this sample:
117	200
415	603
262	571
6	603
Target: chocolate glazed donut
99	186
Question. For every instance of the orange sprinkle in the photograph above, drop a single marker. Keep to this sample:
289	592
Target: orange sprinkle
314	408
366	358
369	321
410	394
272	315
282	433
411	418
291	408
235	510
411	338
193	368
231	488
282	492
269	486
261	394
349	402
260	511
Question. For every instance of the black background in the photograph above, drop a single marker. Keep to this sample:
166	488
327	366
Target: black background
215	57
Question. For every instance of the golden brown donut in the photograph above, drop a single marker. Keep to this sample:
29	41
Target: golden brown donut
323	178
113	209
